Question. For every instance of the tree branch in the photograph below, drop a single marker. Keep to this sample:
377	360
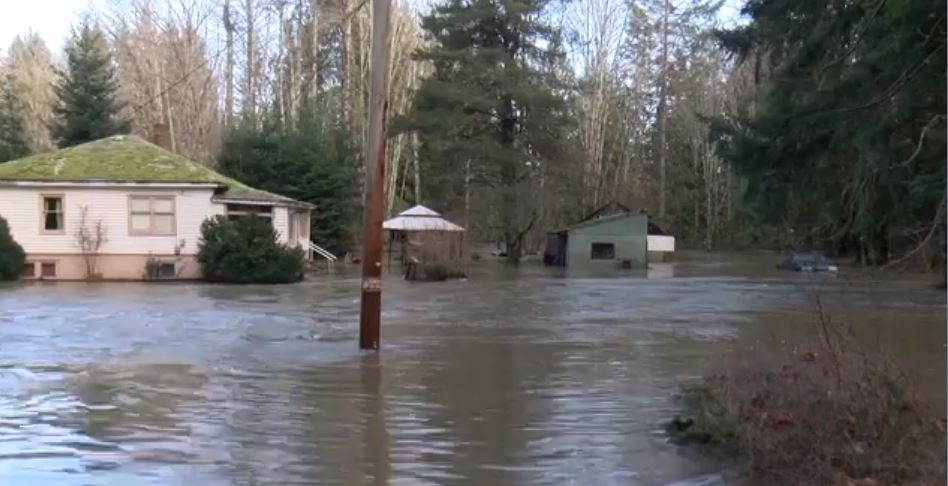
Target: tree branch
859	37
936	221
921	138
891	90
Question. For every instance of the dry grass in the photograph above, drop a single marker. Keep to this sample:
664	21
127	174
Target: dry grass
824	412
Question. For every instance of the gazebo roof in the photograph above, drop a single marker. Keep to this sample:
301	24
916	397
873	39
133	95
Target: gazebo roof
420	218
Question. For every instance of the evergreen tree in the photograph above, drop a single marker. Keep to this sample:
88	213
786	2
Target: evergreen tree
87	106
490	110
13	138
309	163
847	145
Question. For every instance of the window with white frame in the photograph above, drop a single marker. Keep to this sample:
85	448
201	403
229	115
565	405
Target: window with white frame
235	211
299	225
53	214
294	226
151	215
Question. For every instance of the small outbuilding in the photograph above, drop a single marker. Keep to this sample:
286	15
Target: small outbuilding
612	234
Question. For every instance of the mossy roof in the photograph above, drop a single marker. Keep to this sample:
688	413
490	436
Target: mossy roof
127	158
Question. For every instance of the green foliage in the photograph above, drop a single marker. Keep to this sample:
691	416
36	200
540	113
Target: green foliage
491	100
12	256
87	106
847	145
309	163
246	250
13	139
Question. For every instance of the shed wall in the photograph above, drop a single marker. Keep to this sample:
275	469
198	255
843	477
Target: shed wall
629	235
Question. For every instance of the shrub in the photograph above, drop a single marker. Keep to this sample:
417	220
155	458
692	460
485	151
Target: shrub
12	256
830	412
246	251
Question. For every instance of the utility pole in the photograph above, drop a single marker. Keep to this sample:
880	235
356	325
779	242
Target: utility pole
374	203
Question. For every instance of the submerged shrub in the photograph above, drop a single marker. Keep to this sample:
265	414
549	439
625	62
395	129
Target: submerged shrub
828	412
12	256
246	250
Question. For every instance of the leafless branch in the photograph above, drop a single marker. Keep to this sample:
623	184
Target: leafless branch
859	37
921	138
936	221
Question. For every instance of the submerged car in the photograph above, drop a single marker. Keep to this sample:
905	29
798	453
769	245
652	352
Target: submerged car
808	262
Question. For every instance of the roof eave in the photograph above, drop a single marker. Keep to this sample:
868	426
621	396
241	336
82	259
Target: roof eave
264	202
105	182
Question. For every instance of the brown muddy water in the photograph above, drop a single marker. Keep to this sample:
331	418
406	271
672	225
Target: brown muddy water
522	376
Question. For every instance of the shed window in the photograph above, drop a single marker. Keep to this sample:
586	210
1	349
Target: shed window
603	251
29	270
151	215
53	214
48	269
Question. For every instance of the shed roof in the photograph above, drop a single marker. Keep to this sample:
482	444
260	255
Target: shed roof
129	159
420	218
608	212
602	219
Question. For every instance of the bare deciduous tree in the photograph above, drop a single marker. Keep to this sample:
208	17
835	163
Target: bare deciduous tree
89	238
30	65
166	74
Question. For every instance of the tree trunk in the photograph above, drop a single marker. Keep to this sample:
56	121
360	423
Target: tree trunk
940	254
708	209
346	51
512	236
662	108
309	55
415	167
281	68
467	193
250	101
229	65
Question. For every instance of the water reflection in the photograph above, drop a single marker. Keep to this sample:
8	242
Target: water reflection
512	377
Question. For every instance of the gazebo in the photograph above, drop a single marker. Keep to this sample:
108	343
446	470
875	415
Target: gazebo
423	237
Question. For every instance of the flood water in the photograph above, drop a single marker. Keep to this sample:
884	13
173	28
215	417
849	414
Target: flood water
511	377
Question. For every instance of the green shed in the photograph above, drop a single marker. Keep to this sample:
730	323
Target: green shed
620	238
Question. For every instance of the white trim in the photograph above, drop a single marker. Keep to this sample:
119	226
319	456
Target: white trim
257	202
660	243
165	185
248	202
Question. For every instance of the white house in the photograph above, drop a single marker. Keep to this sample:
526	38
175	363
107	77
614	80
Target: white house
122	208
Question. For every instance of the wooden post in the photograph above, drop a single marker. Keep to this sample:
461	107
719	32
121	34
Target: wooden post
374	203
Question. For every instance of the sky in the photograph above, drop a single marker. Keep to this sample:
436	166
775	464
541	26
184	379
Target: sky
53	18
50	18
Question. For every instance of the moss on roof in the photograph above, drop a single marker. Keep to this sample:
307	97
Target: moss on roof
126	158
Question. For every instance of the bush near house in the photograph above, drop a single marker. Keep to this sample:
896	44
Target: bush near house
246	251
12	256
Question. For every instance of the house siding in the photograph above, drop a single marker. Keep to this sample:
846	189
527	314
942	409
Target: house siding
21	206
281	223
114	267
628	234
